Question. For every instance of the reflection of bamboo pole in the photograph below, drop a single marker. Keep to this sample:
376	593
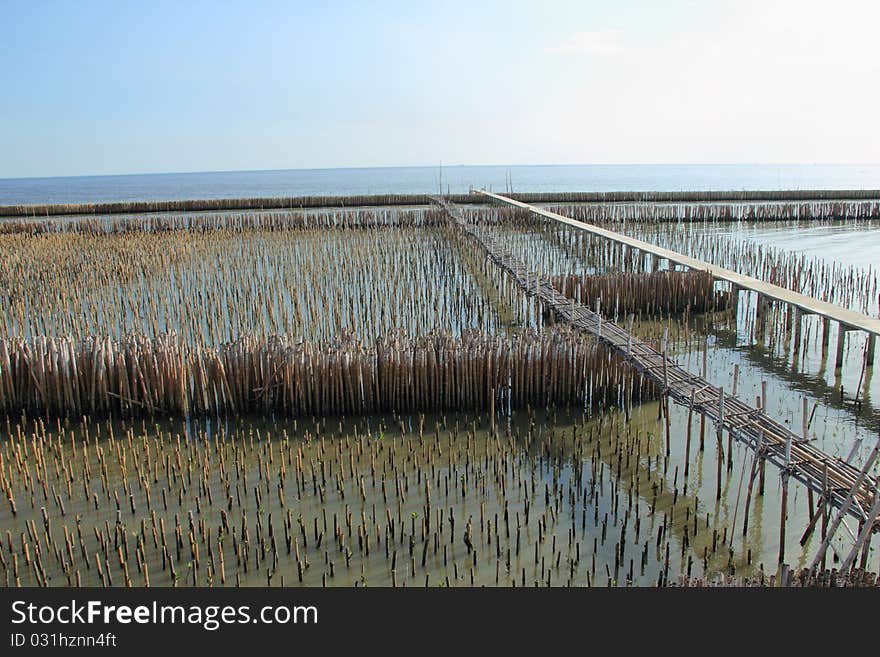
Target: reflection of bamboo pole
687	448
784	503
862	372
719	434
758	456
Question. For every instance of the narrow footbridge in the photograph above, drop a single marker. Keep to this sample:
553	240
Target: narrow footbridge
850	489
849	320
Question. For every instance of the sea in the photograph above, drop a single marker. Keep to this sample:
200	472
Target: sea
432	179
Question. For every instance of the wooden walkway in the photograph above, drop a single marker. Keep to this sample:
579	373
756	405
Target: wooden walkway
849	320
841	484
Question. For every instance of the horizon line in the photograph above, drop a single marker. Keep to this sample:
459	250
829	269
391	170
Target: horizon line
440	166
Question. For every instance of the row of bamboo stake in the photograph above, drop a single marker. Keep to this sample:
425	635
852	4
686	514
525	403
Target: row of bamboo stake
649	293
263	220
164	375
654	212
201	205
545	501
218	204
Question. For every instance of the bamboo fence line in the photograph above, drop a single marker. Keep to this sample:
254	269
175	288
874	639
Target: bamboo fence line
202	205
265	220
653	212
165	375
636	293
123	207
698	196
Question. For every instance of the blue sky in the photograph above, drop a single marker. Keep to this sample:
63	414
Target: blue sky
124	87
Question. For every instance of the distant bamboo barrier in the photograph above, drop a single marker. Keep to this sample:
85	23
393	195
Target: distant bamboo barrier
202	205
702	196
650	293
751	210
299	202
165	375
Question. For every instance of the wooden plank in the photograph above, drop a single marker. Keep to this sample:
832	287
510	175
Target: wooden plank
848	318
803	461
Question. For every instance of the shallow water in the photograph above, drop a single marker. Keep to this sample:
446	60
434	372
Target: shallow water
584	478
596	489
216	286
417	180
848	251
846	244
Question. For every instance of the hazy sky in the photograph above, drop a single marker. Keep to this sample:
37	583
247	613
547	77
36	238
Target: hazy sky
123	87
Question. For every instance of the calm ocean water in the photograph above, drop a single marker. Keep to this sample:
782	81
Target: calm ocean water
404	180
